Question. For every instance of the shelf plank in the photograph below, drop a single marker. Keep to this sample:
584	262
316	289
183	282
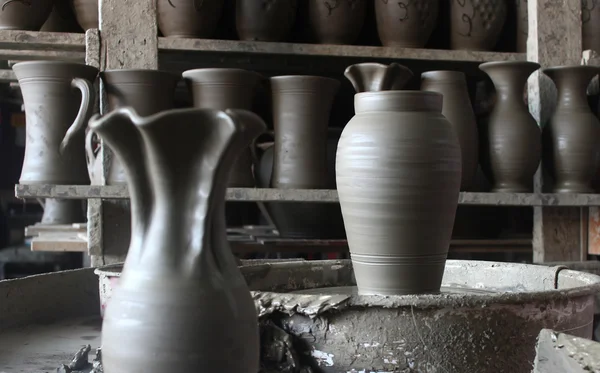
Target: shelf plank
357	51
33	40
307	195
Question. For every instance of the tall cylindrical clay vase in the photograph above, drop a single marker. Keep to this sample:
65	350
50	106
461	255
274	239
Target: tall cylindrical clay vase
572	136
397	161
406	23
301	110
458	110
476	24
265	20
336	21
511	143
24	15
147	92
189	18
59	100
590	25
181	294
86	12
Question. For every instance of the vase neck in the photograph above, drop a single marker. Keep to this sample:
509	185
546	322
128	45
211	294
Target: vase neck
509	80
572	88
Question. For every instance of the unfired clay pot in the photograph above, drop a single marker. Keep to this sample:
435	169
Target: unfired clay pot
306	220
407	23
590	25
189	18
476	24
572	136
59	100
336	21
62	18
181	293
458	110
86	12
511	143
397	161
24	14
62	211
265	20
522	25
147	92
226	89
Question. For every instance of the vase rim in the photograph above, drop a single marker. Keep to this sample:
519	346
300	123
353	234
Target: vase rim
191	74
401	93
509	63
73	67
571	67
142	71
309	77
443	74
396	100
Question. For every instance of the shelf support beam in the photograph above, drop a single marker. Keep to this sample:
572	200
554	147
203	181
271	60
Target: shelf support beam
554	40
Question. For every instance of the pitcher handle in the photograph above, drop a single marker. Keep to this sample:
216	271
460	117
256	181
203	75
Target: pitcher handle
88	99
90	154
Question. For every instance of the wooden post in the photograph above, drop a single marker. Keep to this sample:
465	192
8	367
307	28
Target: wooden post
129	40
554	40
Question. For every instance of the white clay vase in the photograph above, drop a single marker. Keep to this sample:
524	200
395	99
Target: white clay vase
182	304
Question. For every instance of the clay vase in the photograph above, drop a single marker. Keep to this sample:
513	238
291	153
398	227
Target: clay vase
336	21
407	23
476	24
222	89
511	144
590	25
147	92
265	20
62	18
177	164
522	25
24	14
59	99
62	211
398	160
572	136
86	12
306	220
189	18
458	110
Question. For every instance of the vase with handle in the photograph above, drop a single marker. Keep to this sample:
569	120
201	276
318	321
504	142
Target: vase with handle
180	294
571	139
59	99
147	92
398	159
511	143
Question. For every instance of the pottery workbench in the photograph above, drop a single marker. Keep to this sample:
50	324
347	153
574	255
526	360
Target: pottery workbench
564	225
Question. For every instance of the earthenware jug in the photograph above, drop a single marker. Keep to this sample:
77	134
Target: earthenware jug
398	160
511	142
522	25
265	20
147	92
24	14
62	211
222	89
571	138
180	293
336	21
62	18
59	100
407	23
189	18
590	25
476	24
306	220
86	12
458	110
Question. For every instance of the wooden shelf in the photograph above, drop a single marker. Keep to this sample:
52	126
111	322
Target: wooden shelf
306	195
355	51
30	45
